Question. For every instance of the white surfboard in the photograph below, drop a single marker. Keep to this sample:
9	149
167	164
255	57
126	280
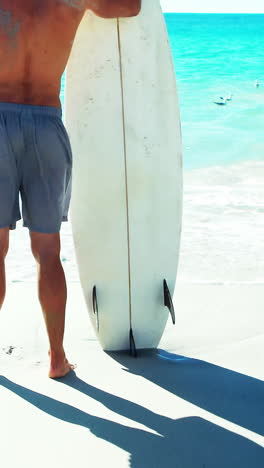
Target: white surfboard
123	120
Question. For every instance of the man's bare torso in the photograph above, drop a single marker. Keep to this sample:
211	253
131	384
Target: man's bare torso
36	38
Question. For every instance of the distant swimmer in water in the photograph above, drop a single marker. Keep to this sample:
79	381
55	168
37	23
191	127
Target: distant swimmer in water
221	103
228	98
257	84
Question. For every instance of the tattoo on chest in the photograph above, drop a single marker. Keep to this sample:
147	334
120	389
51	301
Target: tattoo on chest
9	26
78	4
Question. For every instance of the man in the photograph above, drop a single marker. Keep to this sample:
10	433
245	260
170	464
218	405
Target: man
36	38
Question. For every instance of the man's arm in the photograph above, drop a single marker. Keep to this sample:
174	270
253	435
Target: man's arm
114	8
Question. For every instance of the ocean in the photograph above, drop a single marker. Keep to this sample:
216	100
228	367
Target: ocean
215	56
218	55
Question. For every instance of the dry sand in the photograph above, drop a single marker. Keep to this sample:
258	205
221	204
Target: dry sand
196	402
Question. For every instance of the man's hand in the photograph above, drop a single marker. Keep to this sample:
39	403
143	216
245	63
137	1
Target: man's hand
114	8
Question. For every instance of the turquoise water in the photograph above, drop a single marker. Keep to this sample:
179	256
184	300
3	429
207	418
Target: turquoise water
215	55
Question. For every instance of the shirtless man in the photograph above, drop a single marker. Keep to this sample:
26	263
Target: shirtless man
36	38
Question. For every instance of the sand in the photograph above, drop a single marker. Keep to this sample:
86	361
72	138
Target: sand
198	401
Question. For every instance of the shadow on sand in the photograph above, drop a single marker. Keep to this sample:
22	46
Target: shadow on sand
190	442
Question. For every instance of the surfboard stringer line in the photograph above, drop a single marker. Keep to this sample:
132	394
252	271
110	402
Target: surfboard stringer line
133	350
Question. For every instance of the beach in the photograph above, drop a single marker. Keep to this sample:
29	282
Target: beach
198	400
195	402
222	237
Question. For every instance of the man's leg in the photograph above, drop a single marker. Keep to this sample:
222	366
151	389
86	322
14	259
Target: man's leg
4	243
52	293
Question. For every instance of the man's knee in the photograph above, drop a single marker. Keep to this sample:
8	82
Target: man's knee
45	247
4	242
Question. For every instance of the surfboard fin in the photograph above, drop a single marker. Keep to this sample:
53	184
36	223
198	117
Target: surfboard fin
95	307
133	349
168	301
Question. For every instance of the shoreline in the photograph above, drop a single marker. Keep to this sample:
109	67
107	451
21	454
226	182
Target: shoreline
221	237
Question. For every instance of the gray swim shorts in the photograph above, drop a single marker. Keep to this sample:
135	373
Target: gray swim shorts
35	162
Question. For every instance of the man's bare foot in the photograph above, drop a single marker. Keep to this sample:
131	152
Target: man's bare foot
59	365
